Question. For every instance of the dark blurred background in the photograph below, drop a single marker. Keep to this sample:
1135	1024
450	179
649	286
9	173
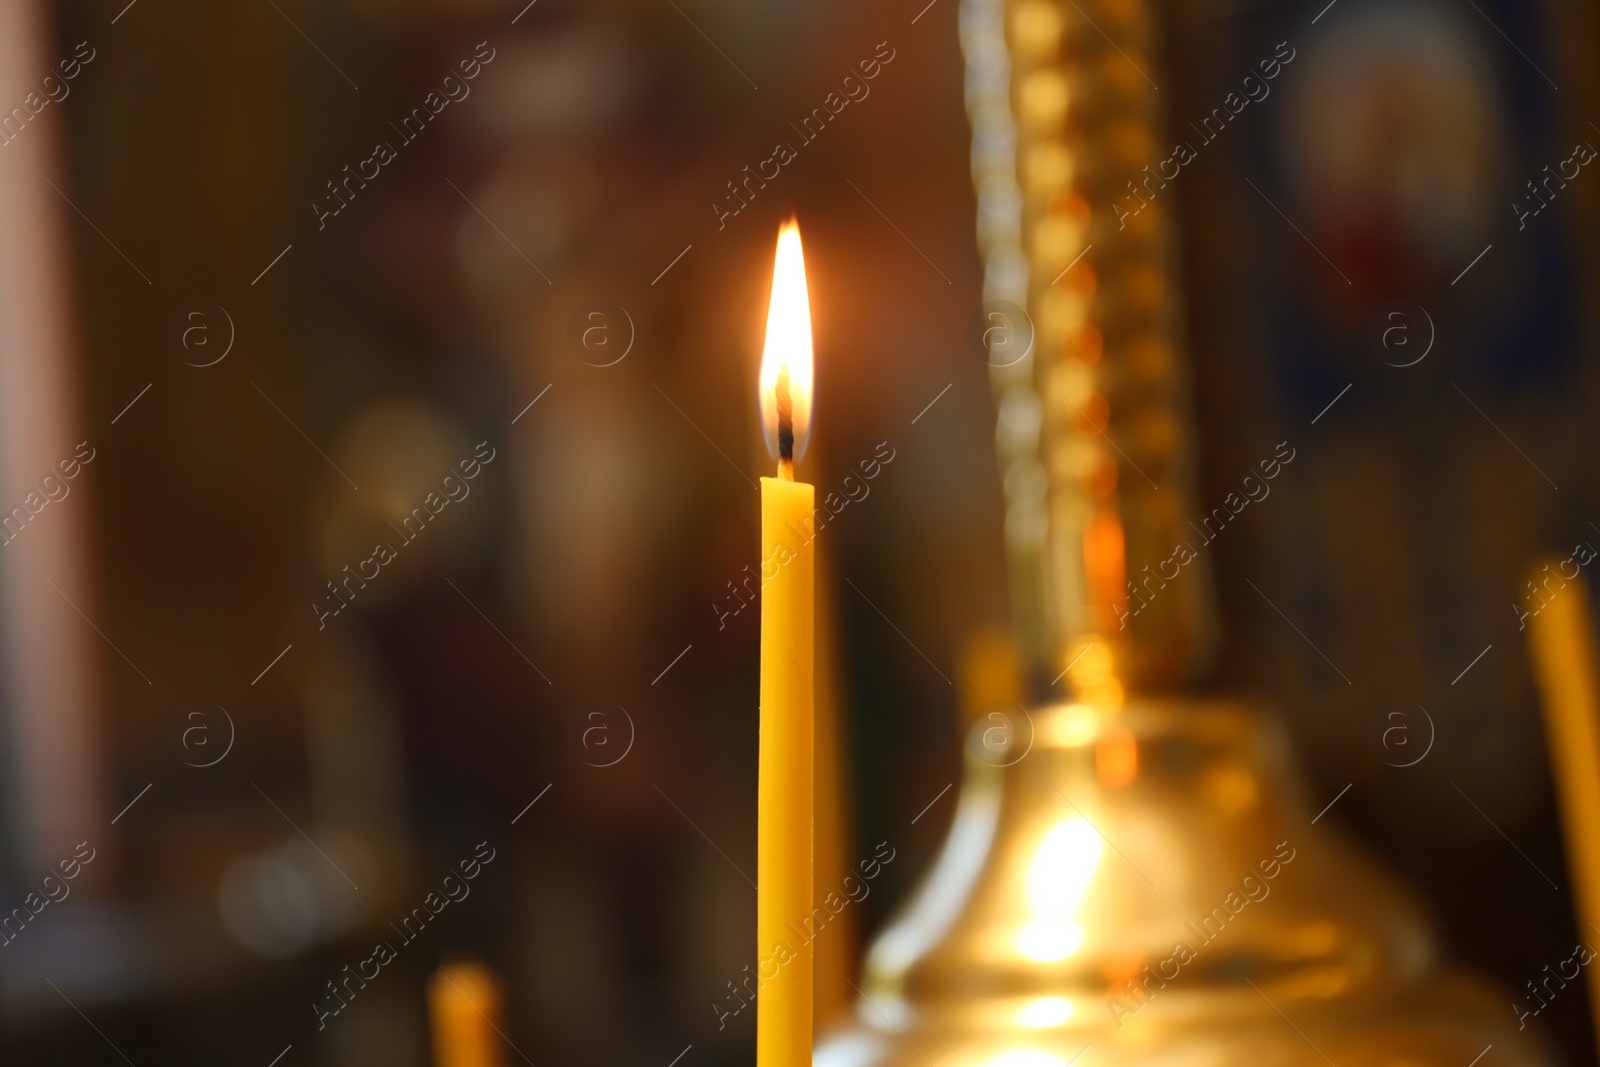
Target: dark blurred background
276	341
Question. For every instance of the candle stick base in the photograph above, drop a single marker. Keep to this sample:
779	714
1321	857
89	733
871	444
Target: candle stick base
1151	883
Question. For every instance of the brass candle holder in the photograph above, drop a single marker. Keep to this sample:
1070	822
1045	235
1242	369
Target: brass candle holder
1131	869
1148	883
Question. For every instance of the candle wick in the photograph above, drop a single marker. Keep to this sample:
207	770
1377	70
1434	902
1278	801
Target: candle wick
785	407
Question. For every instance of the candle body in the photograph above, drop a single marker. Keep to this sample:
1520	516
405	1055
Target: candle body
463	998
1561	639
784	925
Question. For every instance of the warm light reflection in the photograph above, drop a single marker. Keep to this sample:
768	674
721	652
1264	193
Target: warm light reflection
1058	878
788	344
1042	1012
1116	759
1092	673
1106	567
1049	940
1025	1057
1076	725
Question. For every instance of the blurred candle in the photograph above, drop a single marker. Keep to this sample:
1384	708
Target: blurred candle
463	1004
783	849
1561	640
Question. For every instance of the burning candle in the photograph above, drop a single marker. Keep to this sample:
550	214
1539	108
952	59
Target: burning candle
783	850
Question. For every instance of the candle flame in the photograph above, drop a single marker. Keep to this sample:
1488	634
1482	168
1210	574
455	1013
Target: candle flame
786	359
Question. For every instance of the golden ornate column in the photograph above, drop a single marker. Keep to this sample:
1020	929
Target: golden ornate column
1094	436
1133	875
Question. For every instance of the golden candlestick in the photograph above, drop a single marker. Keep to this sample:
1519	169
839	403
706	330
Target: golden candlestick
1130	869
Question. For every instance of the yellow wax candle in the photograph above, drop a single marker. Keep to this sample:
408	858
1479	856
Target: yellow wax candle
463	1004
788	586
1561	639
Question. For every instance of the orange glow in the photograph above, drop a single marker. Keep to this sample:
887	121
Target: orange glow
1085	347
788	344
1097	411
1116	759
1106	567
1100	480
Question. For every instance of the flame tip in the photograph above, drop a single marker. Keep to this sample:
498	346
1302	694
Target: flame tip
787	355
